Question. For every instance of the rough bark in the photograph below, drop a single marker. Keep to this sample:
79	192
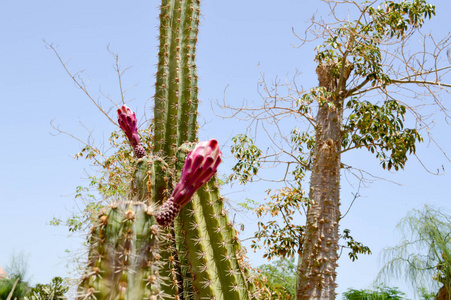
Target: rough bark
443	294
318	260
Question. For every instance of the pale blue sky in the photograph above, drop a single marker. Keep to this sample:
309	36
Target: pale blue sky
38	175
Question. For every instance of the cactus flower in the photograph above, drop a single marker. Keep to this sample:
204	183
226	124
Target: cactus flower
200	165
127	121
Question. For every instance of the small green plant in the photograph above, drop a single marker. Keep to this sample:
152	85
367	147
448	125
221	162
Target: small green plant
53	291
379	293
13	287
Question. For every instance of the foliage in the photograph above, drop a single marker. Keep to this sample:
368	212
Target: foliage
247	155
17	270
18	266
53	291
356	247
425	294
423	256
22	291
277	280
280	239
115	170
284	239
380	293
281	273
114	173
389	21
6	285
380	129
268	291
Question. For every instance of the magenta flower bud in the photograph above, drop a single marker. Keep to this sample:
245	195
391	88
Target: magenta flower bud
200	165
127	121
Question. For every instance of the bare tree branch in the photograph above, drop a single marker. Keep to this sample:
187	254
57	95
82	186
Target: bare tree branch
79	82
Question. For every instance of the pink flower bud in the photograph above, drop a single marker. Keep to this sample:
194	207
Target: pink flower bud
200	165
127	121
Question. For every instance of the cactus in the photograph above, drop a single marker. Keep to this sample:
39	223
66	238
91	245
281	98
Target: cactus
125	259
166	241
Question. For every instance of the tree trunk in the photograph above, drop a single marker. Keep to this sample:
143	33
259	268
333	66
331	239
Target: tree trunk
442	294
318	260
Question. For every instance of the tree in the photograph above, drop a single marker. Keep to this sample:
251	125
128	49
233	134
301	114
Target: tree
380	293
371	78
18	284
423	256
20	288
16	281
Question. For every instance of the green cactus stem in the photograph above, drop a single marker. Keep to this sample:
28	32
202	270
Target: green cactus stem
151	180
151	183
176	91
211	258
124	259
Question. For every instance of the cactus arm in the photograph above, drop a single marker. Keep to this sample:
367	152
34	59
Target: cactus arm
124	247
210	249
207	241
197	248
151	179
224	242
99	282
170	270
185	274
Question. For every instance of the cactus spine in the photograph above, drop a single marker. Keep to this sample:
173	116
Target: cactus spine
133	253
